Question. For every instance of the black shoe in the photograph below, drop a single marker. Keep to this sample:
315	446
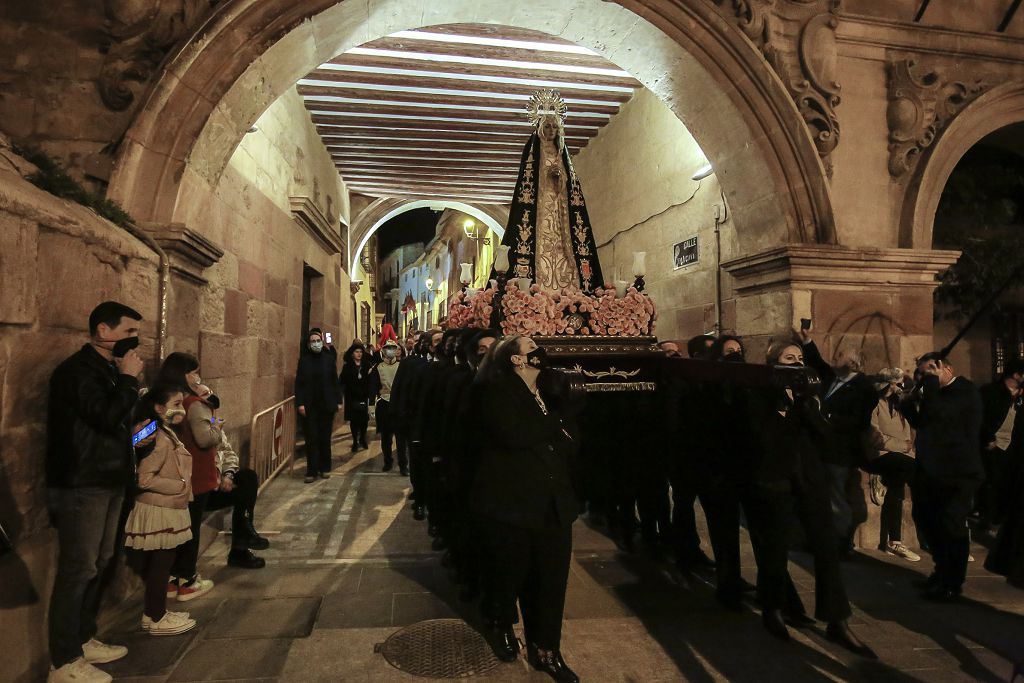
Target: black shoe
448	560
925	584
730	601
839	632
325	475
699	560
439	544
747	587
310	478
551	663
433	531
253	538
419	512
388	466
798	620
404	471
775	624
941	594
243	557
503	641
626	544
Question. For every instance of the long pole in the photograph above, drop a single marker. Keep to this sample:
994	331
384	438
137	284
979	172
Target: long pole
1014	276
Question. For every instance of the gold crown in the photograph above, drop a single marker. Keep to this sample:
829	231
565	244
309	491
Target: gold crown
545	102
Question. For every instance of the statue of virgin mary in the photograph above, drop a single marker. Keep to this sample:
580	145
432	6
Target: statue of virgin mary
548	233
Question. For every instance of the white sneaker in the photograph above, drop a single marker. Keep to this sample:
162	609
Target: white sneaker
171	625
195	589
147	621
96	652
78	671
899	550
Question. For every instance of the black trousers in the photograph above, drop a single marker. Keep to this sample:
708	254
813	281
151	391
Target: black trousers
359	423
684	519
387	432
419	466
317	428
941	507
242	500
654	504
897	471
531	566
721	504
992	500
770	511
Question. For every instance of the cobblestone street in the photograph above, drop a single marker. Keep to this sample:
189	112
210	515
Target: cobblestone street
349	566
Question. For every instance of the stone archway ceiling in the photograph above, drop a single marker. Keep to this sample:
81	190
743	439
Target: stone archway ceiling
441	111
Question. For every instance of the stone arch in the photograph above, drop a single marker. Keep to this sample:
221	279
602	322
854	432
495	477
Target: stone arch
694	58
384	209
1000	107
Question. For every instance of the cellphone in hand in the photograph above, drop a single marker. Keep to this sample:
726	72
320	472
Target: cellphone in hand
805	323
143	433
328	338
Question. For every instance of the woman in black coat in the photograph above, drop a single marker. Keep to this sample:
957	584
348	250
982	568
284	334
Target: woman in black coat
524	500
317	399
786	475
355	387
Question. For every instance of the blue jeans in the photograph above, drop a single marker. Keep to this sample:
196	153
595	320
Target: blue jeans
87	526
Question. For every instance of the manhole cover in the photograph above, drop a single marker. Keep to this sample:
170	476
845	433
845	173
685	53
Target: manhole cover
439	648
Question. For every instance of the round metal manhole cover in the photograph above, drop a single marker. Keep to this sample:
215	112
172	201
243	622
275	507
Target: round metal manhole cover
439	648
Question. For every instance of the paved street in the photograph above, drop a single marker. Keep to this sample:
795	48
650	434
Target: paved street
349	566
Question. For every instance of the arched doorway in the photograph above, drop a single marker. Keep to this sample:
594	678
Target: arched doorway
698	62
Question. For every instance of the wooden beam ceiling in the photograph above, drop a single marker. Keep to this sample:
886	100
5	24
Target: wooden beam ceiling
441	112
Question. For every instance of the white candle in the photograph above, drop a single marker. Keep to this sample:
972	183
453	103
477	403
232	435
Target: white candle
620	288
524	284
501	259
639	263
466	276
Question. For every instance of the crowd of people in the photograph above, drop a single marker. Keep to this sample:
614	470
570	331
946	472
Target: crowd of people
494	443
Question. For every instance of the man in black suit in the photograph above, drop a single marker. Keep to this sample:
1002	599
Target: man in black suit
999	412
946	411
404	395
846	402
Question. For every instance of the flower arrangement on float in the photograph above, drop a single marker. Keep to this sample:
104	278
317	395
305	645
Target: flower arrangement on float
531	311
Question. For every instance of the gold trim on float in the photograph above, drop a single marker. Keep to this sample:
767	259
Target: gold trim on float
604	387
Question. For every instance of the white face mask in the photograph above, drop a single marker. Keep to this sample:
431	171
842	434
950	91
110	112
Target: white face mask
316	347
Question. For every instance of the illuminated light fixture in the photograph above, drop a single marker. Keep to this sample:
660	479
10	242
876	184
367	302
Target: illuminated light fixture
253	128
429	283
530	82
485	61
702	172
494	42
469	226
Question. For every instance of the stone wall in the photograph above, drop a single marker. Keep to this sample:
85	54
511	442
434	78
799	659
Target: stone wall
636	176
57	261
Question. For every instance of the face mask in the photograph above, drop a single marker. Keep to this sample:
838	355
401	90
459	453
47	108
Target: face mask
123	346
734	357
389	354
316	347
538	358
173	414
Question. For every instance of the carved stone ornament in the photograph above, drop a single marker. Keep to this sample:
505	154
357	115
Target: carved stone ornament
798	39
138	34
922	102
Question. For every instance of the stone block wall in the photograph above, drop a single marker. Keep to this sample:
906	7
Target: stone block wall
636	175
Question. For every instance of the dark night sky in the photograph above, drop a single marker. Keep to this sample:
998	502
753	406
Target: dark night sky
410	227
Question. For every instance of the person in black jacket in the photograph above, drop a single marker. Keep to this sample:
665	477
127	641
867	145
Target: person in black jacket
847	401
427	406
317	398
999	411
786	475
1007	555
946	412
525	501
355	388
405	395
89	464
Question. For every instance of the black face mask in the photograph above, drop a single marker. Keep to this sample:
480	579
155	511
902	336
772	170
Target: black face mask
734	357
538	358
123	346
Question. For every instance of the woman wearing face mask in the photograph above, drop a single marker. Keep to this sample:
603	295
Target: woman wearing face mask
787	476
159	521
524	500
355	387
217	482
317	399
892	466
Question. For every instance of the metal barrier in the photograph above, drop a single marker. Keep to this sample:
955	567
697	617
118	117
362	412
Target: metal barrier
272	440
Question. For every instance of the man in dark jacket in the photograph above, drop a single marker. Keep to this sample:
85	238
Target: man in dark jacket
317	399
89	464
946	412
405	398
999	412
847	401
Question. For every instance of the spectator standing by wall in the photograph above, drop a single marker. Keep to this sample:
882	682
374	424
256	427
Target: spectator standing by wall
999	412
89	463
892	466
946	412
317	400
355	388
159	521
